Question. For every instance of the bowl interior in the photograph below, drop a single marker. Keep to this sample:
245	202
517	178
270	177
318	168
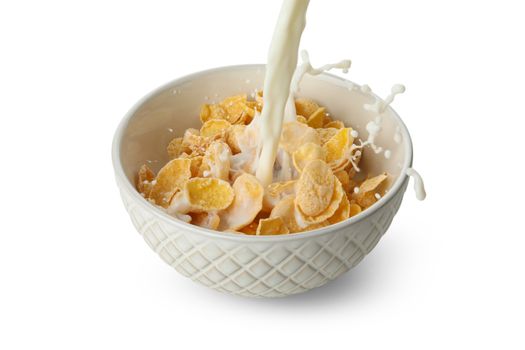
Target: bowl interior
170	110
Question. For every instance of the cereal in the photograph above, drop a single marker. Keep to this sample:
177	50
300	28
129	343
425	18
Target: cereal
246	204
296	134
354	209
367	190
144	180
276	192
326	134
344	178
218	160
272	226
316	119
305	107
235	107
306	153
175	148
207	220
169	180
329	211
315	188
204	194
342	213
285	209
338	146
251	228
301	119
214	127
209	181
233	137
336	124
212	112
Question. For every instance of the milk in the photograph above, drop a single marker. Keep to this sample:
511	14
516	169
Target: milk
281	64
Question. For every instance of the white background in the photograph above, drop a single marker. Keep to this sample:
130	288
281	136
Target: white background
75	274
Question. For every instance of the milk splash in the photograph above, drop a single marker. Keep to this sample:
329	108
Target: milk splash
419	186
300	71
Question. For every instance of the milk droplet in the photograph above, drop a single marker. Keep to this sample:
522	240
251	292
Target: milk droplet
419	186
388	154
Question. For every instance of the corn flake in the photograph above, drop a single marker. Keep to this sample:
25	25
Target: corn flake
175	148
355	209
212	111
204	194
272	226
276	191
169	180
246	204
336	124
316	119
315	188
295	134
207	220
342	213
214	127
368	189
306	153
338	146
305	107
218	160
144	180
332	207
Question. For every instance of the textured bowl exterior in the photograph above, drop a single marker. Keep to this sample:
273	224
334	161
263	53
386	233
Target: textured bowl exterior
255	268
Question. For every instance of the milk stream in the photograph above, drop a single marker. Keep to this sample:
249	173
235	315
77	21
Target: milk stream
281	64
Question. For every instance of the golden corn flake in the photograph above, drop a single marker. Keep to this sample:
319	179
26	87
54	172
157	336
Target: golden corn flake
336	124
332	207
305	107
342	213
295	134
276	191
175	148
234	106
316	119
251	228
306	153
212	111
272	226
338	146
144	180
196	166
246	204
368	189
207	220
233	137
204	194
344	179
285	209
315	188
214	127
326	134
301	119
218	160
169	180
355	209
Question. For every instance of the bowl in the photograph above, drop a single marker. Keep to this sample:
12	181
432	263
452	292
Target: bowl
254	266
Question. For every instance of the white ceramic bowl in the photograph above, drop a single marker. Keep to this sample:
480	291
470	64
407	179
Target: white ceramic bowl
254	266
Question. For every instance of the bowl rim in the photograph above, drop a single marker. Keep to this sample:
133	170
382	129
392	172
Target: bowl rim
125	184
